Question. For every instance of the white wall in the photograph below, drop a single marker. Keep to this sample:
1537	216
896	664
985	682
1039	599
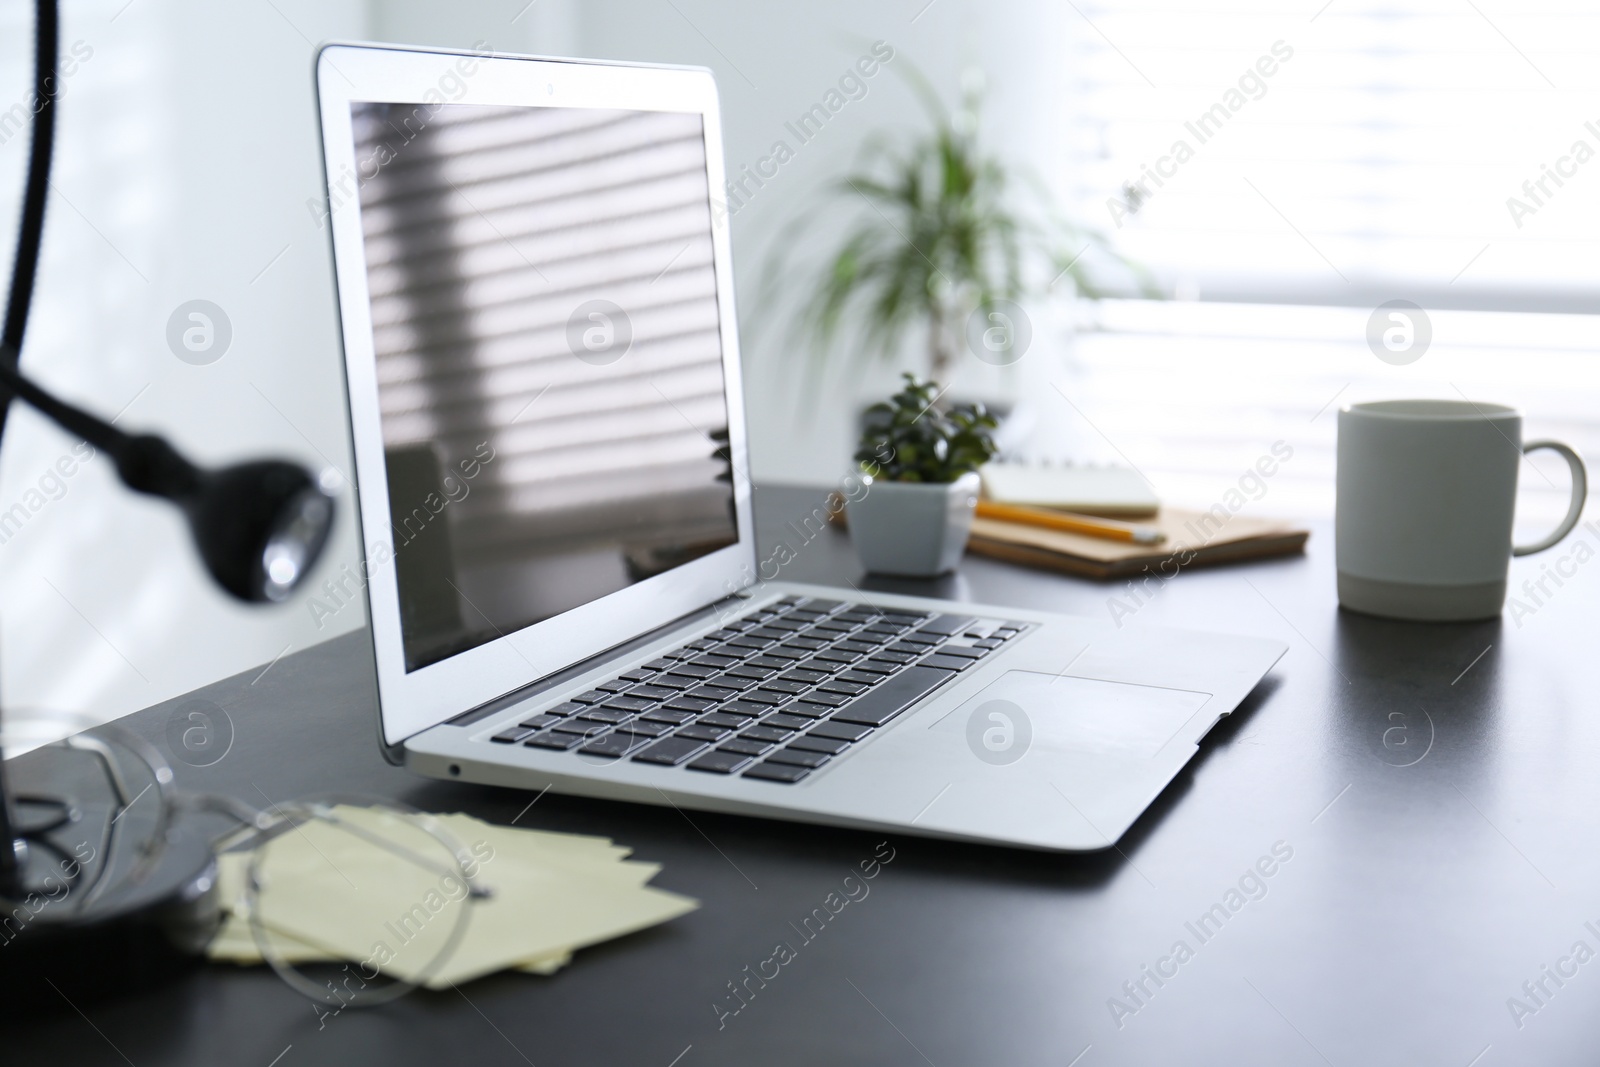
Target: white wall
773	62
187	156
187	151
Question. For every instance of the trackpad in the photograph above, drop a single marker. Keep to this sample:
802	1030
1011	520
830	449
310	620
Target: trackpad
1021	709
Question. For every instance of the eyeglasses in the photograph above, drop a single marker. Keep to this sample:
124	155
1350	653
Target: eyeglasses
353	901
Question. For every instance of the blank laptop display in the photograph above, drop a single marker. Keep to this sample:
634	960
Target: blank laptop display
550	383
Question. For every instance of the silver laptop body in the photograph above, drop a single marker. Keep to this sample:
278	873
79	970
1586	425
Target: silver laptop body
559	561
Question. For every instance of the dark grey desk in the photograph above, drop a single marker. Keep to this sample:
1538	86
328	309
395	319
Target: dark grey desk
1418	898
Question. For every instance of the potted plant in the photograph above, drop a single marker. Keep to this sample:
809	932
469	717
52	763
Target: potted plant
921	483
945	244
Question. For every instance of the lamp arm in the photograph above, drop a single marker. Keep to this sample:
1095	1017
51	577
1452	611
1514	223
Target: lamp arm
146	463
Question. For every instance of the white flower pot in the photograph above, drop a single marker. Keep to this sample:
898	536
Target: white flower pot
915	529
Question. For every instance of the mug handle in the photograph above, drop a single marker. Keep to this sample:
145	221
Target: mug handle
1580	490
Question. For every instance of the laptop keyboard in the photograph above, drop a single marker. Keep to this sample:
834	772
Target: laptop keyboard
773	695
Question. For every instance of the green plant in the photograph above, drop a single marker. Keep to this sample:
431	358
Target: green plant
944	237
907	440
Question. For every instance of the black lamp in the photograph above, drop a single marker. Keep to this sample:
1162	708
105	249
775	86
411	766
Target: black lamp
259	527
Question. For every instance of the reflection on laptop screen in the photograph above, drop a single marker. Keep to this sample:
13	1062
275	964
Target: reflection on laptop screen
549	362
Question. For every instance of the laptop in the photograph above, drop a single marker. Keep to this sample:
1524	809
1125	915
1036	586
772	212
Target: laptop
551	453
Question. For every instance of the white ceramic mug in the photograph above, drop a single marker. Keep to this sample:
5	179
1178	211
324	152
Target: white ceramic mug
1426	495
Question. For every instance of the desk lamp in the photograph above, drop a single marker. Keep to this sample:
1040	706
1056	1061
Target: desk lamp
259	528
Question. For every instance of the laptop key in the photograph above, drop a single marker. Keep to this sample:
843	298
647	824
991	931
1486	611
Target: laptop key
746	708
514	734
749	640
964	651
616	685
593	696
883	703
551	739
695	670
539	722
947	624
640	675
719	762
701	732
780	685
989	642
766	733
914	643
788	654
784	721
949	663
614	745
893	656
732	722
745	746
798	757
832	746
838	685
808	710
777	772
832	700
563	710
855	646
608	715
808	644
837	626
840	731
768	697
649	692
581	727
688	703
858	677
658	665
787	623
716	663
748	671
676	681
670	751
825	665
669	715
629	703
837	655
875	666
647	728
770	663
712	692
731	681
805	676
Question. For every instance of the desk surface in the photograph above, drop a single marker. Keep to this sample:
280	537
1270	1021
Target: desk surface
1434	787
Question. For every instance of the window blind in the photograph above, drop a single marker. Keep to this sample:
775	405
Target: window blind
1284	172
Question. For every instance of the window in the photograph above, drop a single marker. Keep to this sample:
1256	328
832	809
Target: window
1285	175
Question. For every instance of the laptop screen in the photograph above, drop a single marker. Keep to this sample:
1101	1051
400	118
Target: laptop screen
549	362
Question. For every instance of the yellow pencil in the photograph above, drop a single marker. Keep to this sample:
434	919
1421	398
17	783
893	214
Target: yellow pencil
1110	529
